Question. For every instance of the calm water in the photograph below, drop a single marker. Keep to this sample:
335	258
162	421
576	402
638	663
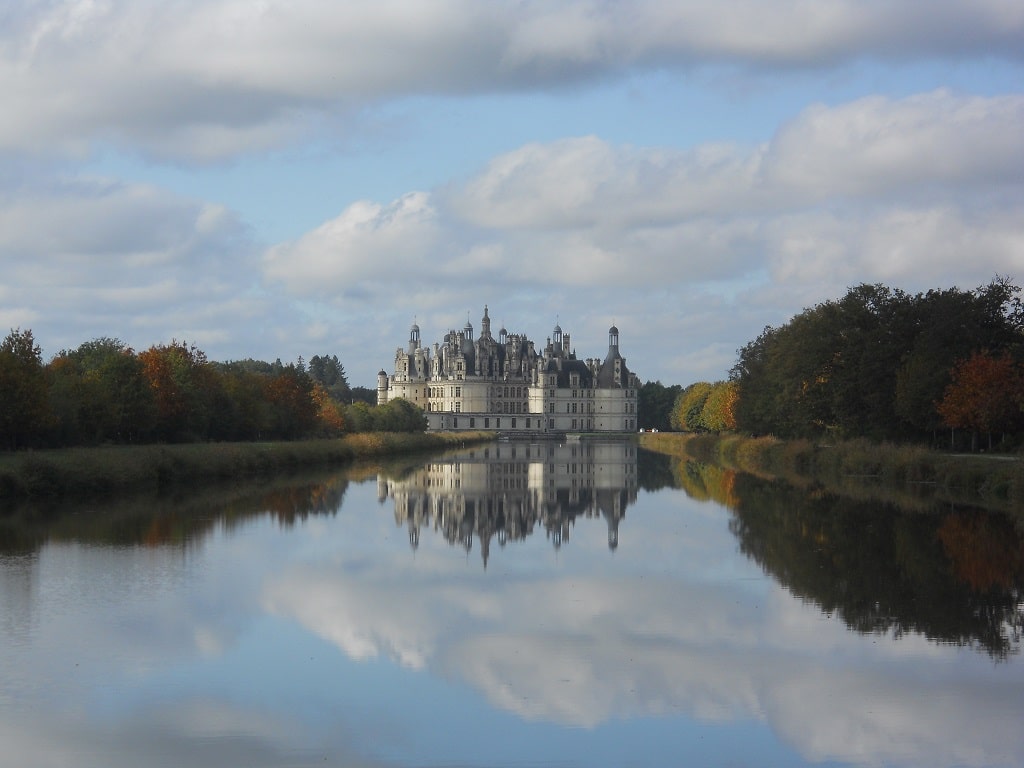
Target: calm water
516	605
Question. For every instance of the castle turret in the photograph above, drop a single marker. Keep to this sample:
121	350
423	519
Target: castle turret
382	388
485	325
414	338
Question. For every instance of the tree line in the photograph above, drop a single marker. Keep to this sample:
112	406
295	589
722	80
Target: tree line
944	367
105	392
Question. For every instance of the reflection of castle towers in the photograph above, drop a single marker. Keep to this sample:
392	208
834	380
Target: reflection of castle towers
506	490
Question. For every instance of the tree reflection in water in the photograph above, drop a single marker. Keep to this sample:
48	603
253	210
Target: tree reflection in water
170	519
955	576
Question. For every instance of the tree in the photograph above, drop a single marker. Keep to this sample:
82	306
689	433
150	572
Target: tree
873	363
23	393
330	413
330	373
185	389
984	395
292	409
689	405
400	415
364	395
98	393
654	405
719	411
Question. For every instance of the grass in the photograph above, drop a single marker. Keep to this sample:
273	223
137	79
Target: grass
980	480
117	468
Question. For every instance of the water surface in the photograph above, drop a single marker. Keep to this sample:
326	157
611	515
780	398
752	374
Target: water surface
513	605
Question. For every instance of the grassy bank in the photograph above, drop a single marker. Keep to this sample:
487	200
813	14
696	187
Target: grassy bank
110	469
982	480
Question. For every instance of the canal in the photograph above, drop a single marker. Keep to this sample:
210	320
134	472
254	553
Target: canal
548	604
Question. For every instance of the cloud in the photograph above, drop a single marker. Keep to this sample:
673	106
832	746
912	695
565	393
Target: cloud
918	192
873	190
368	241
97	257
202	80
883	147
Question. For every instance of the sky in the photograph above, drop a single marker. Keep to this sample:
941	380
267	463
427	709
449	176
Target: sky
274	180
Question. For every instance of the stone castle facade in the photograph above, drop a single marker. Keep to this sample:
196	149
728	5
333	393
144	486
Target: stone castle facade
506	384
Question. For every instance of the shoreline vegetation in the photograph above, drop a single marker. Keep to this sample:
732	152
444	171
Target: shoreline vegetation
63	472
912	476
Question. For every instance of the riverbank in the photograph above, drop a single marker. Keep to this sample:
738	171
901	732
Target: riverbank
992	481
120	468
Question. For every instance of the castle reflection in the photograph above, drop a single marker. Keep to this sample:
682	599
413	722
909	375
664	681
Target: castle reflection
506	491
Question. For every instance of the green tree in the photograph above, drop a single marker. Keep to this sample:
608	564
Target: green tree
873	363
24	414
98	393
400	415
654	405
329	372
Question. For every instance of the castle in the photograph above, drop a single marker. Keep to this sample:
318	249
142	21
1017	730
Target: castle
506	385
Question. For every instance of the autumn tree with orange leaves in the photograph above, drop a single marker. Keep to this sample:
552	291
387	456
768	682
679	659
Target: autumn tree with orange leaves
985	395
184	387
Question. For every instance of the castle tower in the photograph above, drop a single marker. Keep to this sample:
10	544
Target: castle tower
485	325
414	338
382	388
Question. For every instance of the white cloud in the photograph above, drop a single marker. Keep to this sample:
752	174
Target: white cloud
367	241
209	79
95	257
919	192
878	146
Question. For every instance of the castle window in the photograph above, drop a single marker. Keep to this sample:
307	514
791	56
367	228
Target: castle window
472	422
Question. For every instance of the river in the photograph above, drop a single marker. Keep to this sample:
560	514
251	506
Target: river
575	604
